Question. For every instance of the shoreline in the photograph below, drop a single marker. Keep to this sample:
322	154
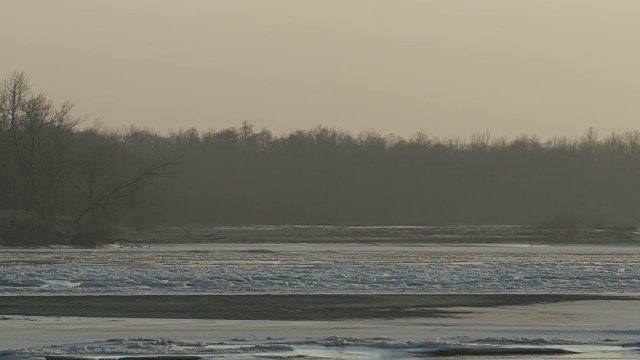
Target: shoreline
307	307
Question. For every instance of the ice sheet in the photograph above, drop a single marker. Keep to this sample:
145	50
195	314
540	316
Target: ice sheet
328	268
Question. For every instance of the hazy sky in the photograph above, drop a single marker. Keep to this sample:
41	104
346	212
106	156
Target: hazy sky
448	67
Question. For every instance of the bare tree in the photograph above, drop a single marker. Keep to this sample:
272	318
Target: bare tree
38	135
96	176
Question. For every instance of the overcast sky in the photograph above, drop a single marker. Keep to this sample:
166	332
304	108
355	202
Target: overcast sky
448	67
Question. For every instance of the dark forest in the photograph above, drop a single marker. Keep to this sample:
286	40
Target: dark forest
53	165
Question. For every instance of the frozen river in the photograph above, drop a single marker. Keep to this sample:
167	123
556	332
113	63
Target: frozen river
582	329
576	330
322	268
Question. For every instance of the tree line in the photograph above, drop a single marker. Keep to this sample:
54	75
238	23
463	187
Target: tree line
53	165
50	168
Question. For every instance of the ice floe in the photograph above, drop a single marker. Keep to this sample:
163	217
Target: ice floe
476	270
